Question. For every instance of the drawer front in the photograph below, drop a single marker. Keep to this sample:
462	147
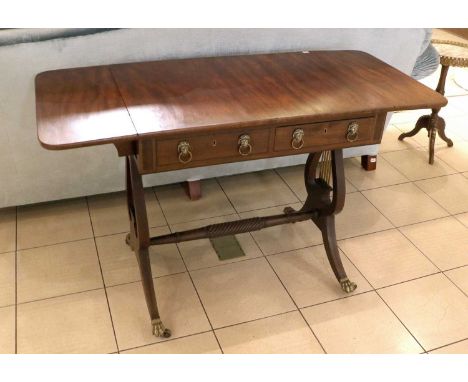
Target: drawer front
335	134
211	147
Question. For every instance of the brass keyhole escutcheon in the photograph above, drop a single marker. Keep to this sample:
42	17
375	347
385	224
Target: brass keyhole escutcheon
352	133
185	153
245	148
297	139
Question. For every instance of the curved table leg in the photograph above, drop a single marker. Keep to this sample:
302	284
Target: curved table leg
422	123
318	197
441	132
138	240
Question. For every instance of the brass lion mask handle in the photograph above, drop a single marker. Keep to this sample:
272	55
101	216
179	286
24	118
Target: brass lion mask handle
245	148
185	153
297	139
352	133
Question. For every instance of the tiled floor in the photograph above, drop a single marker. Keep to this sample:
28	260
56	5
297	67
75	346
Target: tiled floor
69	284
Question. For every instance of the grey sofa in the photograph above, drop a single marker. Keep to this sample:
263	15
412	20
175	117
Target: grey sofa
30	174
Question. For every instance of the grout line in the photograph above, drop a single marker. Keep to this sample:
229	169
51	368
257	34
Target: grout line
398	318
454	268
166	340
444	346
52	244
460	289
292	299
16	280
102	275
193	284
59	296
256	319
376	292
297	307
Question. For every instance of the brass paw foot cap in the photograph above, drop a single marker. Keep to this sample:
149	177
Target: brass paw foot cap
159	330
348	286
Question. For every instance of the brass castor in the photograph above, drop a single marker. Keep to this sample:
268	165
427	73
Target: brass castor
347	286
159	330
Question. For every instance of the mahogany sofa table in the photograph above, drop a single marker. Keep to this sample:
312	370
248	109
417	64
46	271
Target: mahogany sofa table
176	114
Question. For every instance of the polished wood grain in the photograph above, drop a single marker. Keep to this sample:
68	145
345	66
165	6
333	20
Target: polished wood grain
80	107
285	88
86	106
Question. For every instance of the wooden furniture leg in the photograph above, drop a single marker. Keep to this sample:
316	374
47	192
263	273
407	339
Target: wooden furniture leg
138	239
318	197
369	162
193	189
433	122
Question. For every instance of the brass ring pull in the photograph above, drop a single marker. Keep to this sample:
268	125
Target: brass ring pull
352	133
185	155
245	148
298	139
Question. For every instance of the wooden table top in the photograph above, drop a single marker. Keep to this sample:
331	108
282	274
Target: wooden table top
107	104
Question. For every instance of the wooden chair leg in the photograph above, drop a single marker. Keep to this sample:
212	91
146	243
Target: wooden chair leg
369	162
193	189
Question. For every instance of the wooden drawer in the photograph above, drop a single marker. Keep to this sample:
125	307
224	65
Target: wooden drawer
161	155
325	134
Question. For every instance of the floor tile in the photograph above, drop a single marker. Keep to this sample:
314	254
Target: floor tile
199	254
359	324
456	156
294	177
386	258
119	263
463	218
457	348
308	277
109	212
7	279
451	192
240	292
404	204
77	323
53	223
456	127
390	140
285	333
257	190
204	343
285	237
179	208
359	217
178	304
443	241
414	164
58	270
7	330
432	308
7	230
460	277
385	175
